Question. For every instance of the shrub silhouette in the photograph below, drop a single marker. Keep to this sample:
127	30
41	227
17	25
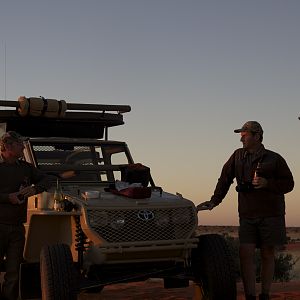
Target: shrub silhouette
284	262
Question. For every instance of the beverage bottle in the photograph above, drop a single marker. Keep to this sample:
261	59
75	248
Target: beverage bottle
257	172
58	197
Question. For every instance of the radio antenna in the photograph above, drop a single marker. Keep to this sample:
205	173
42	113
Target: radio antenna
5	70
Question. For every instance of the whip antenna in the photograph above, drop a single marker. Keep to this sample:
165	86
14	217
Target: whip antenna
5	71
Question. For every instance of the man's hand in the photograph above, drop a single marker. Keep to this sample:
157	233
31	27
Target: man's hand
13	198
259	182
207	205
28	191
18	197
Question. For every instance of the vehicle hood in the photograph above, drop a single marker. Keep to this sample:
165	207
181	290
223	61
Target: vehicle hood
109	199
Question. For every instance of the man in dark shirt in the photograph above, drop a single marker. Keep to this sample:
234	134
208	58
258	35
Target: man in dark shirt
263	177
19	180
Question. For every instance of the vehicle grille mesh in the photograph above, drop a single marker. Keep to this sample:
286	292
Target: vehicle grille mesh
142	224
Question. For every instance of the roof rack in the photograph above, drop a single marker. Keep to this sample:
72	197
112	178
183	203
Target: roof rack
80	120
79	106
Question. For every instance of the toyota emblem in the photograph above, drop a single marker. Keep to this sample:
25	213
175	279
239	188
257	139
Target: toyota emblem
145	215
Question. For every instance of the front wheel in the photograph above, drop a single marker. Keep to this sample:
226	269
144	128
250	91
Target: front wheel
213	268
58	274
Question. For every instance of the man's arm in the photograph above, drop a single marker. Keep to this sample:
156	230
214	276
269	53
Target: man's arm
40	180
223	185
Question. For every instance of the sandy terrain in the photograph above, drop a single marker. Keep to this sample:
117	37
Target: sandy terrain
153	290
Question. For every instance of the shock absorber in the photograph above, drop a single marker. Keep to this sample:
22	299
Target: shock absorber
81	244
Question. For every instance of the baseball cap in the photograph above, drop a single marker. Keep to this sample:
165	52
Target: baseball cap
250	126
10	137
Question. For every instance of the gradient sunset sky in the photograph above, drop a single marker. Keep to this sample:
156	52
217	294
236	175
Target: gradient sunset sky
191	70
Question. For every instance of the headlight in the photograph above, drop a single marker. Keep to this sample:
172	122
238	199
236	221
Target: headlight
118	221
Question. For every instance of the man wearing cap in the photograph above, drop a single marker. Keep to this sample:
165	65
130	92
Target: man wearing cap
263	177
19	180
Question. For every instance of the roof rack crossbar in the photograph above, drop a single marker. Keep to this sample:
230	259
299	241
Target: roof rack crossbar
80	106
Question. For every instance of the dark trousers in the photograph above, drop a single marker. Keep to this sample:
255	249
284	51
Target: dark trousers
12	240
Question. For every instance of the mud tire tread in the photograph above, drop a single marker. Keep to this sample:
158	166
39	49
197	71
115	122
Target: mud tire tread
57	273
213	268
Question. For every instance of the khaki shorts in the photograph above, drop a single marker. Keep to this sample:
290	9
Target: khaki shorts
269	231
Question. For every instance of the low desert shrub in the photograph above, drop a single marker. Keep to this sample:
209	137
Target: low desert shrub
284	262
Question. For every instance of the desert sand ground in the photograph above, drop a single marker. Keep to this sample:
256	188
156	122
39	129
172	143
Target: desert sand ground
153	290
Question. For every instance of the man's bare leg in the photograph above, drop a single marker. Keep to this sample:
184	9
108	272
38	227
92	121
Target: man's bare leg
267	268
248	268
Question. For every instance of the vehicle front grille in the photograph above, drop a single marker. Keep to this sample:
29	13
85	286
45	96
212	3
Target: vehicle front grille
142	224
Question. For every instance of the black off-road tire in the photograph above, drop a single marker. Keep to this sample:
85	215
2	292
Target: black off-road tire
58	274
213	268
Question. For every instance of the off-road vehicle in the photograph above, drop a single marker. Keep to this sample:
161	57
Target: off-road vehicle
113	224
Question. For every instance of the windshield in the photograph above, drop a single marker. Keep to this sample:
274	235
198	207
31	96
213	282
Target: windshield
82	162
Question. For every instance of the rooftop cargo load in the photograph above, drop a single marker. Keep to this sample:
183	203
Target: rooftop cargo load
36	117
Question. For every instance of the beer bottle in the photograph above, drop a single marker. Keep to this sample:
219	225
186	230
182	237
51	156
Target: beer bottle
257	172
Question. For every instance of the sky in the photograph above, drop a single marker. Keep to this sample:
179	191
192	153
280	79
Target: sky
191	70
